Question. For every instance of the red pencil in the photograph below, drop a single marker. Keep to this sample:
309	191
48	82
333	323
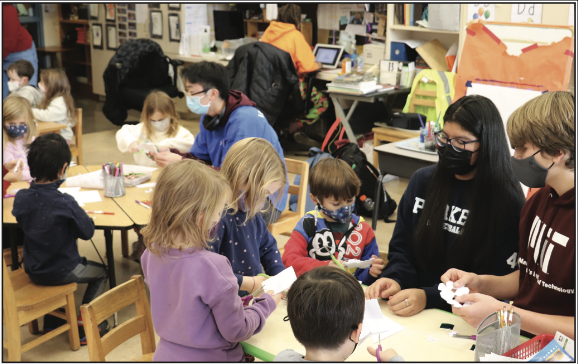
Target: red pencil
99	212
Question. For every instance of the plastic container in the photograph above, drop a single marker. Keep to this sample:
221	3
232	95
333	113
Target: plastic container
134	179
354	56
368	203
491	338
113	186
530	347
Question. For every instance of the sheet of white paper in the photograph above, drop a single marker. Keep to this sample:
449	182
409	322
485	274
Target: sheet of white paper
374	322
281	281
157	21
69	189
13	192
356	263
146	185
87	180
83	197
481	11
141	12
412	43
195	16
527	13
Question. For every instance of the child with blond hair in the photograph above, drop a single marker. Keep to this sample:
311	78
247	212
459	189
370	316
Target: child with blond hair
18	130
57	105
159	124
242	235
195	307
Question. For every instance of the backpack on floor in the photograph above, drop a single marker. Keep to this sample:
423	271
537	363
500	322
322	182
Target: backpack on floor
368	174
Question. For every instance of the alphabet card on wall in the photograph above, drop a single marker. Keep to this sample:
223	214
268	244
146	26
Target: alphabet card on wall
482	12
527	13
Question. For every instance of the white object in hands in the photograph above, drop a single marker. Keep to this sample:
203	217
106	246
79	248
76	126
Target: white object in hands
281	282
356	263
447	293
374	322
17	165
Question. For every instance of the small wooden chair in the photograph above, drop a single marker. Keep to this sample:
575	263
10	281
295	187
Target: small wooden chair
23	302
107	304
7	254
420	101
288	219
76	149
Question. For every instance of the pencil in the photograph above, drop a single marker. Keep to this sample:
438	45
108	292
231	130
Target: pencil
337	262
142	204
99	212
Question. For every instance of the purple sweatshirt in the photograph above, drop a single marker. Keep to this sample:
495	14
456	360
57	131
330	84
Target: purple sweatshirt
195	307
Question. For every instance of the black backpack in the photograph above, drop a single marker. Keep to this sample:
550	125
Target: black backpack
368	174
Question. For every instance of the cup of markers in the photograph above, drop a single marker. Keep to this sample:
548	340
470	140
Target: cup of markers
113	179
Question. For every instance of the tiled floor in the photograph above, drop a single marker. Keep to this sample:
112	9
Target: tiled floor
99	146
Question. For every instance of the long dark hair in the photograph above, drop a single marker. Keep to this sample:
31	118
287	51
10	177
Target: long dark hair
489	198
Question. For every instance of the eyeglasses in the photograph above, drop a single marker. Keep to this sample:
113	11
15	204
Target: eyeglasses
196	93
458	144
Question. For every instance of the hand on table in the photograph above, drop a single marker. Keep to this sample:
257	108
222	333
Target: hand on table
383	287
376	267
10	165
461	278
132	147
163	159
384	355
482	305
408	302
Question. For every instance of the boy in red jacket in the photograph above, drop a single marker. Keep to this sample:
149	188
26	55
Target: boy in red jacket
542	133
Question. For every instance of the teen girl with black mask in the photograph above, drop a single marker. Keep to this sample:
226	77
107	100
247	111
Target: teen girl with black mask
462	212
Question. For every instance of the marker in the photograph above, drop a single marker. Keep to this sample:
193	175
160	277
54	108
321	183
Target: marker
99	212
142	204
17	165
336	262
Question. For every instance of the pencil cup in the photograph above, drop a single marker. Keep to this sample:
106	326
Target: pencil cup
490	338
113	186
429	143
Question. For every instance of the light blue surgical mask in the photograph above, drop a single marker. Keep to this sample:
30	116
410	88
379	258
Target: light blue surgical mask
194	104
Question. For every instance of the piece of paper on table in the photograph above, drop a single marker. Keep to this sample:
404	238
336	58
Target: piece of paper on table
87	180
147	185
447	293
69	189
281	282
83	197
432	339
374	322
356	263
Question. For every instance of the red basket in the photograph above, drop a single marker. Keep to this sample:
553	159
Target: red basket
530	347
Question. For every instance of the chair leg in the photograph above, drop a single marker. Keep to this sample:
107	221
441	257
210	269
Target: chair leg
124	242
33	327
73	338
79	159
14	339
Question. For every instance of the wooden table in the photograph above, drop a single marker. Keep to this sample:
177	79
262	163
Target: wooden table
46	127
402	162
389	134
411	343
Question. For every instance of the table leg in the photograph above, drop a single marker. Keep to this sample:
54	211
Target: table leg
110	261
345	119
14	248
376	143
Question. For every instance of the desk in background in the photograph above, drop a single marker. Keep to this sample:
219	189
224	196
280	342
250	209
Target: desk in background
46	127
402	162
388	134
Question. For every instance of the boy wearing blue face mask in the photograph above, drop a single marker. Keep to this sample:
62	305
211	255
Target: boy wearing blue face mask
332	229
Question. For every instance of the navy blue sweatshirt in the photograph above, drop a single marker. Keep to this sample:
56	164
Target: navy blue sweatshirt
248	245
52	221
403	267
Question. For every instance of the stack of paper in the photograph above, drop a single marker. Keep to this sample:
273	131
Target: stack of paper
281	282
374	322
356	263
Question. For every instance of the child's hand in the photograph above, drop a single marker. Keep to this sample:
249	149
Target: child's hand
12	176
132	147
258	282
332	263
376	267
277	297
163	159
383	287
384	355
10	165
408	302
461	279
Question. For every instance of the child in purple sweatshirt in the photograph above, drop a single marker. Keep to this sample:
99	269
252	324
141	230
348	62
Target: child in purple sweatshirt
195	307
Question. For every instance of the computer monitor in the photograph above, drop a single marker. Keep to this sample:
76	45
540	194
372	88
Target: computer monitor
228	25
328	55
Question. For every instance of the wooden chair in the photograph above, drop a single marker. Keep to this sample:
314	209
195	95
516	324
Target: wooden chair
23	302
7	253
289	219
420	101
107	304
76	149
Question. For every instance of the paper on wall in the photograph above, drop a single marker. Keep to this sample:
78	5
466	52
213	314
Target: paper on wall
357	29
329	15
356	263
376	324
141	12
485	12
281	282
527	13
87	180
195	16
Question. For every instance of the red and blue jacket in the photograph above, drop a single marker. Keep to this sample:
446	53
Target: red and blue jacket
311	245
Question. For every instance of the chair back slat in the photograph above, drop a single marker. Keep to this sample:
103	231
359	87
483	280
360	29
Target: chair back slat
122	333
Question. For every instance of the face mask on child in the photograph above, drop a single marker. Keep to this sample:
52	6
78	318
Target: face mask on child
161	125
194	104
13	85
342	214
16	131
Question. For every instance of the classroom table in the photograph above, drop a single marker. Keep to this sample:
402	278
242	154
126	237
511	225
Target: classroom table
402	162
107	223
411	343
378	95
46	127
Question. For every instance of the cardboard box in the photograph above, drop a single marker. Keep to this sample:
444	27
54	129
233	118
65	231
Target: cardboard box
434	53
402	52
381	24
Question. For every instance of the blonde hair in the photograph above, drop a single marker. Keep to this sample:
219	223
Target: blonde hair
56	84
546	121
253	162
15	107
186	197
159	101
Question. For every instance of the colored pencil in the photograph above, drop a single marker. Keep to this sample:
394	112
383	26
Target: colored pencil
99	212
142	204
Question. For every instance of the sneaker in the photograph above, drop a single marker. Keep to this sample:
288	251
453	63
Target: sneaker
138	249
103	329
53	322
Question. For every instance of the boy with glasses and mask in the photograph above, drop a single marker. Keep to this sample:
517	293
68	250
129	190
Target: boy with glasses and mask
542	133
332	231
339	305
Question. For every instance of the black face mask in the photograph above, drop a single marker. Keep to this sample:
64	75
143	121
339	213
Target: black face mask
456	162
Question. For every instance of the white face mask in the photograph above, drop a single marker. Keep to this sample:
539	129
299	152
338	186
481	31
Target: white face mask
13	85
161	125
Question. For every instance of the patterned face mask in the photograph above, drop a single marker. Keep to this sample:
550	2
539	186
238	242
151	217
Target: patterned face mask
16	131
342	214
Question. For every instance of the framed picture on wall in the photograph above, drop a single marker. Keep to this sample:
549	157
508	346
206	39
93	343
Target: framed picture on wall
110	12
174	28
121	10
131	16
111	37
132	34
175	6
122	19
93	9
154	6
132	26
97	36
122	26
131	7
156	24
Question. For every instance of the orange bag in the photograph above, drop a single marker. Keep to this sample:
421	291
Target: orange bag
484	60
